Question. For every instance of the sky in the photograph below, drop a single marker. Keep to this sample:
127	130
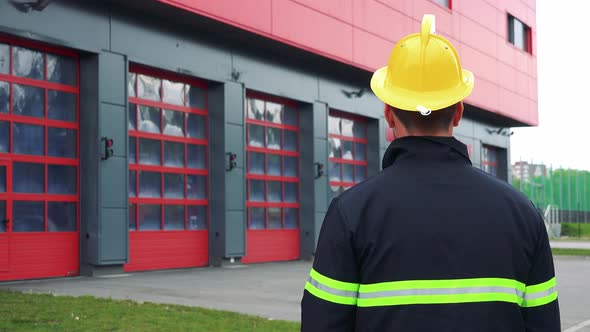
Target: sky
563	65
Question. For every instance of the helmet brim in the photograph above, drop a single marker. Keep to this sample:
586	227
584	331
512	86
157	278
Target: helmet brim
410	100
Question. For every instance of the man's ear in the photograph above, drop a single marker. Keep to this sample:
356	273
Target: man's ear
458	114
388	111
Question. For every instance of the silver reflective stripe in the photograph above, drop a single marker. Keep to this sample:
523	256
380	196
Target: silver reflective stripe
442	291
331	290
539	295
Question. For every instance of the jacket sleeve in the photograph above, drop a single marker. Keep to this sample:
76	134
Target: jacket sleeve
540	305
330	295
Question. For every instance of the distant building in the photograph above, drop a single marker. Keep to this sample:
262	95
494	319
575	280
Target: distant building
524	171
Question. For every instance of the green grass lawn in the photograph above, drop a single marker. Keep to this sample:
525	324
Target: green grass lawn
42	312
570	252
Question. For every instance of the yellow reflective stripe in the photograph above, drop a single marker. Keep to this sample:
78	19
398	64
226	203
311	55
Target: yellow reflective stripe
438	299
409	292
451	283
540	301
541	287
540	294
330	297
332	283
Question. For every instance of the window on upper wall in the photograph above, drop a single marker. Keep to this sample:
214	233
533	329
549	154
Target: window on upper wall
445	3
519	34
490	160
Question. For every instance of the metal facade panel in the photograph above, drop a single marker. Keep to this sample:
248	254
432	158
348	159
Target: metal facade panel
235	183
235	241
191	56
217	163
114	184
307	180
113	78
334	38
114	228
76	24
287	81
89	160
113	124
243	13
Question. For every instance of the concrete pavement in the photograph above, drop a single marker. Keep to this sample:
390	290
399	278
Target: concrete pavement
571	244
269	290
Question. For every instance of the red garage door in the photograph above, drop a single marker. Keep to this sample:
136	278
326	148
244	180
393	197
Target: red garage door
39	162
273	180
168	177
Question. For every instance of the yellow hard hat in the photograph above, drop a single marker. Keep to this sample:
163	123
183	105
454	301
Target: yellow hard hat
423	74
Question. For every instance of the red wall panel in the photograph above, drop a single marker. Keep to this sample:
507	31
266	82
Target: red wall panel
339	9
377	18
372	51
362	32
153	250
271	245
40	255
311	29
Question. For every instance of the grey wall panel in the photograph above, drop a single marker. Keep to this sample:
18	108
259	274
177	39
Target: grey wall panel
235	189
465	127
320	147
235	182
114	228
306	181
113	78
89	162
114	183
166	47
235	234
113	124
234	106
216	105
320	120
334	94
76	24
113	172
276	79
481	131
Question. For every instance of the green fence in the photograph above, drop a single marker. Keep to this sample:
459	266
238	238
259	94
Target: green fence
567	189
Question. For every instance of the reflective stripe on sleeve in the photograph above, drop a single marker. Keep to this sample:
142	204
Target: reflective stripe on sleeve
540	294
332	290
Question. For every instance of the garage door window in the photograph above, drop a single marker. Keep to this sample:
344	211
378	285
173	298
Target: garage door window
39	134
272	163
347	151
168	177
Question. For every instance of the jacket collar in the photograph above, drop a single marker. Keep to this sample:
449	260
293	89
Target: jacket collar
427	148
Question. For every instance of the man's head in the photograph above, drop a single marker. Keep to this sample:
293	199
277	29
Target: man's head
437	123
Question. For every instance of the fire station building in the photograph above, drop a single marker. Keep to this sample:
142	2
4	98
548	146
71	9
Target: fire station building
153	134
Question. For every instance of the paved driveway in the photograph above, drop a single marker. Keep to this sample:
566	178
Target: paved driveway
270	290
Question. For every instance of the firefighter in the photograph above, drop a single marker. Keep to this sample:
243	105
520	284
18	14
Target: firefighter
431	243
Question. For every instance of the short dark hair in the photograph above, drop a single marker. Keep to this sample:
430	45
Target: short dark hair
437	120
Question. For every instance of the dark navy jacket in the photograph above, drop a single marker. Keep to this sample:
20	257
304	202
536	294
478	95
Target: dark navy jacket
431	244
